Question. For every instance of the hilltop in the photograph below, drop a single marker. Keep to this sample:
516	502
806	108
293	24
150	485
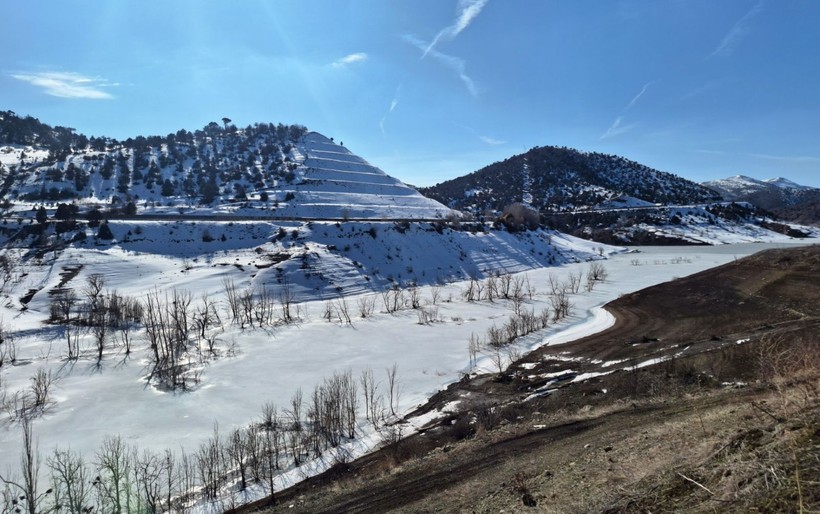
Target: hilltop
607	198
262	170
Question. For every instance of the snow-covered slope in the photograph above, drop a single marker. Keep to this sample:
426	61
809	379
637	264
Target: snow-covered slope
335	183
785	183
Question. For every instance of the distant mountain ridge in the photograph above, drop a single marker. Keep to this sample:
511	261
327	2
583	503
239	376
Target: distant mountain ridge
554	179
279	169
784	198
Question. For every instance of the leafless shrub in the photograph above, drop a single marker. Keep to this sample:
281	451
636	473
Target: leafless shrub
574	282
554	285
435	295
427	315
41	384
342	310
393	299
367	304
470	294
491	288
327	311
597	271
414	297
561	305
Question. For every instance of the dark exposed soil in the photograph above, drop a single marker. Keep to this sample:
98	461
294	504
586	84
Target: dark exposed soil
687	434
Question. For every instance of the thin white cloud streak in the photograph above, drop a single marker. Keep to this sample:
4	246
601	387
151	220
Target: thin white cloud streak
486	139
455	64
737	33
792	159
65	84
492	141
617	129
393	104
709	86
709	152
639	95
468	10
350	59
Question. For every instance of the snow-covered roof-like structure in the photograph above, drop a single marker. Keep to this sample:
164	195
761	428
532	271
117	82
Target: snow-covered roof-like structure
337	183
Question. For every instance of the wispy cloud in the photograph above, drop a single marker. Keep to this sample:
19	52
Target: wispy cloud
705	88
492	141
486	139
66	84
791	159
467	12
393	104
617	128
347	60
737	33
709	152
639	95
455	64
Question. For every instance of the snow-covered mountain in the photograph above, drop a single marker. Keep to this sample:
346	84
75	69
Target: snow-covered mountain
785	183
783	197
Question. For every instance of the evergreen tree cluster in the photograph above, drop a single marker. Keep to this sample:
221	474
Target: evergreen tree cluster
562	179
217	161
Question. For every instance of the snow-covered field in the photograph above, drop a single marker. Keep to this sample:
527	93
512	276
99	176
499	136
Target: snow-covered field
91	399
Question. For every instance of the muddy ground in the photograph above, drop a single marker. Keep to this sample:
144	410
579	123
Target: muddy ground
729	422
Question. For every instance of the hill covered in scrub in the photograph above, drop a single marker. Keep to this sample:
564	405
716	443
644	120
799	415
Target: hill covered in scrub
556	179
260	170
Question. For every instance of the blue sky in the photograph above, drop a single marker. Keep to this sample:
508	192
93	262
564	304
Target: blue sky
432	89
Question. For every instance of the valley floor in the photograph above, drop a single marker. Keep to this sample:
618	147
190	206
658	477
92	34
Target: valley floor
732	426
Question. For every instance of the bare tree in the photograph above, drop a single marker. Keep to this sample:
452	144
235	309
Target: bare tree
295	412
473	346
368	383
574	282
149	469
114	487
286	298
237	452
597	271
232	296
93	290
209	463
29	496
70	480
62	305
393	388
